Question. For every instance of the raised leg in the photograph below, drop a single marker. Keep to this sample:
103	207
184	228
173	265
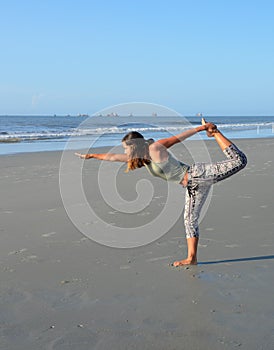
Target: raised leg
237	158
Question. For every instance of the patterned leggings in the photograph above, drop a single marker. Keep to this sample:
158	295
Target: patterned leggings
200	178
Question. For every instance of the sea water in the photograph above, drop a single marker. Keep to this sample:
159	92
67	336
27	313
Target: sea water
49	133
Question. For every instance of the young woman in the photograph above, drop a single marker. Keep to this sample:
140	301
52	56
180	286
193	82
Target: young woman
197	178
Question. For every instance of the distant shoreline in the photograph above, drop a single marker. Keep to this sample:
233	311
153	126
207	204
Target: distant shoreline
23	134
105	149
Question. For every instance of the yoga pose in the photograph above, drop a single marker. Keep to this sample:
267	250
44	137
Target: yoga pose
197	178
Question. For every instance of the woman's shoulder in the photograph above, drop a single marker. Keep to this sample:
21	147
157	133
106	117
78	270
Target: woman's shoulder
155	146
158	152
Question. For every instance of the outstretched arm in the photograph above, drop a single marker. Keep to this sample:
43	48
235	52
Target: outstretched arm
170	141
112	157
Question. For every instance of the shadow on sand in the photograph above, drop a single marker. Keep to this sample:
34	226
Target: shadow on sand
253	258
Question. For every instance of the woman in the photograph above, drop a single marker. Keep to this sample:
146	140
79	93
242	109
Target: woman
197	178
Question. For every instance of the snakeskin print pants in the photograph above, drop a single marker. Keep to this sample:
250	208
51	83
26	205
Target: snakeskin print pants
200	178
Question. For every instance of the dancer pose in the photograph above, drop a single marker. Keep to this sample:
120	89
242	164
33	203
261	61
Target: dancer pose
197	178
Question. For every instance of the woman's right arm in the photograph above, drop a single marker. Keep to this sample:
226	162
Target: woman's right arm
112	157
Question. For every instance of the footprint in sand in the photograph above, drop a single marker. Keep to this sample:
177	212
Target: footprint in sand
159	258
49	234
12	297
91	222
125	267
145	213
29	258
14	252
230	343
268	164
80	339
7	269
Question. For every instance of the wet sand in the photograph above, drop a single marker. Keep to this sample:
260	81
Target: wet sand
61	290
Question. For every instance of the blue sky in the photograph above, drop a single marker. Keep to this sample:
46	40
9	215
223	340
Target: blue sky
69	57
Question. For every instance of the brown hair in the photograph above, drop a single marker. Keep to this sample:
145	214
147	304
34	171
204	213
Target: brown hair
139	150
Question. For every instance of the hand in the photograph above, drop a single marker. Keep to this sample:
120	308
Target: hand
209	127
83	156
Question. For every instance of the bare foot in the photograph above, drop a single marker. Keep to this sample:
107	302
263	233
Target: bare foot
188	261
211	128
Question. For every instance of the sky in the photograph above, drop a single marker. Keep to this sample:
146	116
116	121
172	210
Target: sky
68	57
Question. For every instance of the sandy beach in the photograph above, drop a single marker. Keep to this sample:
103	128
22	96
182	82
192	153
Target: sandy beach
62	291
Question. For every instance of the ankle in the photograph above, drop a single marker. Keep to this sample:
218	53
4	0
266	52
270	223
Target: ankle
191	260
192	257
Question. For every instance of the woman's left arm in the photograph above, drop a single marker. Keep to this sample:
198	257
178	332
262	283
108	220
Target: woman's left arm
170	141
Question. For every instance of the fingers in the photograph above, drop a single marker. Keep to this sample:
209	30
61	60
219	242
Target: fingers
82	156
210	126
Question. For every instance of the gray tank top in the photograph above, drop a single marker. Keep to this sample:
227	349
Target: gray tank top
169	170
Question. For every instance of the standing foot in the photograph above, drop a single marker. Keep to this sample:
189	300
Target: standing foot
188	261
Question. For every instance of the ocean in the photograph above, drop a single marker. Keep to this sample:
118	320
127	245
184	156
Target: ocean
19	134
